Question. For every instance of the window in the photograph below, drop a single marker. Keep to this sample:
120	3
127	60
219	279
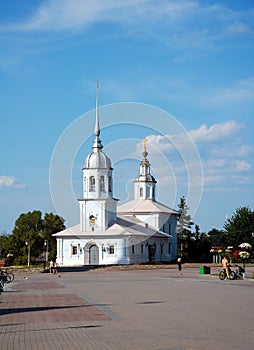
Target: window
102	183
111	249
85	184
92	184
142	248
141	191
169	248
109	184
161	249
74	250
133	249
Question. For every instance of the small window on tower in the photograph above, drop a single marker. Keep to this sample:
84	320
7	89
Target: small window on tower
85	184
91	184
109	184
141	192
102	183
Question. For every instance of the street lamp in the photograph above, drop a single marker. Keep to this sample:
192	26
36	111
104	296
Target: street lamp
28	253
46	253
46	249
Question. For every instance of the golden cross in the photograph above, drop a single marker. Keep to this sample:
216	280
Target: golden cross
145	141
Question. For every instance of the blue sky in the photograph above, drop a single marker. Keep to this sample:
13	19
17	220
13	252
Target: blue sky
191	59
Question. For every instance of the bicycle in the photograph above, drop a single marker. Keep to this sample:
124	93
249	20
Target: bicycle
6	277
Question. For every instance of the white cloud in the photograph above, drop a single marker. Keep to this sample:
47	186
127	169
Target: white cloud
10	181
223	166
55	15
237	28
240	165
7	181
215	132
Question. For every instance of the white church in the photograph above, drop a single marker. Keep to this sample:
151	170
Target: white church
140	231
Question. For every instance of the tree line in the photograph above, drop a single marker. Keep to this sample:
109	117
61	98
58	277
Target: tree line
196	246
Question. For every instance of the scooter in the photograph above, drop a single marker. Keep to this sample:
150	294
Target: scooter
239	272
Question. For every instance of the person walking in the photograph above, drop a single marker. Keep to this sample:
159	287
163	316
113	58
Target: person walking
51	266
55	267
179	263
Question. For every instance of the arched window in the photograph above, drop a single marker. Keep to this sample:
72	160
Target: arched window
102	183
84	184
109	184
91	184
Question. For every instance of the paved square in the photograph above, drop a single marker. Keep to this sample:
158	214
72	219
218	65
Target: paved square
155	309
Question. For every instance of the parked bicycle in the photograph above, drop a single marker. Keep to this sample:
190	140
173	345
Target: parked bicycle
6	276
1	284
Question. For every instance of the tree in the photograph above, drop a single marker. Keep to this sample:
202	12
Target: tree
3	245
217	238
239	227
35	230
183	228
26	229
51	224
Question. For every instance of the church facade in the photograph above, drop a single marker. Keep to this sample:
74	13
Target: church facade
140	231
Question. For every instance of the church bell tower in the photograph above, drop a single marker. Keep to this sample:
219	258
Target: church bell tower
144	184
97	207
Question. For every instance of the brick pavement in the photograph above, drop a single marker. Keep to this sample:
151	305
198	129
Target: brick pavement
157	310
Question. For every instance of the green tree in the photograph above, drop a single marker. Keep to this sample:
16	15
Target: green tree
51	224
183	228
217	238
35	230
4	237
27	229
239	227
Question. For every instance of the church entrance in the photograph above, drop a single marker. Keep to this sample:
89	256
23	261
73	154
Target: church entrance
94	255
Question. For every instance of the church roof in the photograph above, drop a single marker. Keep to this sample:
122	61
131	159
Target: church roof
97	160
122	226
145	206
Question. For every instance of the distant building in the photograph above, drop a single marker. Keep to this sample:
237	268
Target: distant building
142	230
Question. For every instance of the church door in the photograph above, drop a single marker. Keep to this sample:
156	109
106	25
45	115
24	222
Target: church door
94	255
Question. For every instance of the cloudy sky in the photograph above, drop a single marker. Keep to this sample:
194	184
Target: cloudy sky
184	66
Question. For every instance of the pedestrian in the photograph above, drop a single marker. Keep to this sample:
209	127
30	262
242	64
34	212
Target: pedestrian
179	263
55	267
51	266
225	265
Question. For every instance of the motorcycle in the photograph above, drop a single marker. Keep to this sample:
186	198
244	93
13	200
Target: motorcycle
223	274
233	275
239	272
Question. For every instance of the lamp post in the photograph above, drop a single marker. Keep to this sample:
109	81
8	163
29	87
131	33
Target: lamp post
28	253
46	253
